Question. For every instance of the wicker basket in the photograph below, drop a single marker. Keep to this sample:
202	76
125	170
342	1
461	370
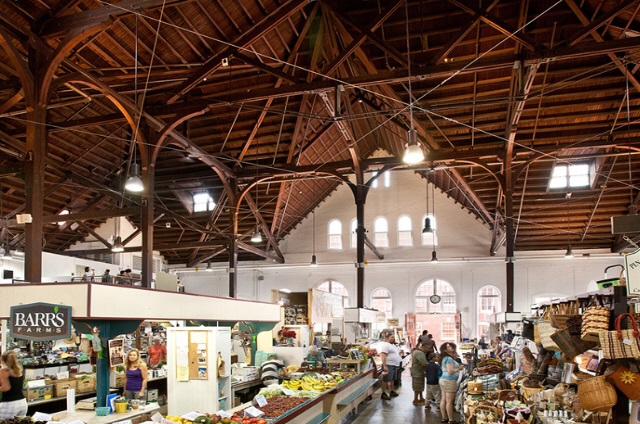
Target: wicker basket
596	394
474	387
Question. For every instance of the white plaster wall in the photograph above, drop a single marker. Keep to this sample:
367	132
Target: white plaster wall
463	250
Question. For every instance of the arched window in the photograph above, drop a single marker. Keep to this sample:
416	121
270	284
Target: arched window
353	235
381	232
381	300
430	239
335	235
386	177
404	231
489	303
447	304
335	287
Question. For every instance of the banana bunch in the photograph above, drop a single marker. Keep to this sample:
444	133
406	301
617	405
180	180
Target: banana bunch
292	384
313	383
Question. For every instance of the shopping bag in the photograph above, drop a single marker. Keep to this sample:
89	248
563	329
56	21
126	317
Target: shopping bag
619	343
546	330
559	316
627	381
570	345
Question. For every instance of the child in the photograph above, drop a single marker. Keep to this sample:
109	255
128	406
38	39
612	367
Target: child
433	381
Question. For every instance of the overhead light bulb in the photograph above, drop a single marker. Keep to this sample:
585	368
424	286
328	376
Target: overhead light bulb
134	182
413	153
285	290
434	257
117	247
256	237
314	261
427	226
569	253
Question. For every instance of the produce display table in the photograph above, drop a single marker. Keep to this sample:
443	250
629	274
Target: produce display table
242	385
332	406
91	417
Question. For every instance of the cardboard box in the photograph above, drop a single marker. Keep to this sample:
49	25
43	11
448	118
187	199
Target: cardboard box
247	373
60	387
117	379
85	383
39	393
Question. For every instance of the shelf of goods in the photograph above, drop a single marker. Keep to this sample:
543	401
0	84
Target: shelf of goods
313	399
485	401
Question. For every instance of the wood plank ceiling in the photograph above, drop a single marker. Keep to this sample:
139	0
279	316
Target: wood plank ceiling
287	92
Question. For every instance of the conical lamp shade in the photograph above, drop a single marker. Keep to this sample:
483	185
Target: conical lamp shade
134	182
117	245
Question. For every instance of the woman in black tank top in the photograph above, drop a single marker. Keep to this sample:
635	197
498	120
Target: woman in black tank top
13	403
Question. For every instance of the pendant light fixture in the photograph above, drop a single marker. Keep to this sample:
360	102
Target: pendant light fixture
314	260
256	237
413	152
209	269
427	221
117	247
569	253
134	182
434	257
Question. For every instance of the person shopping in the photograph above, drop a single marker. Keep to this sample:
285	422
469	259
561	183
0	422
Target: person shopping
418	367
433	382
13	403
391	361
157	352
135	386
448	381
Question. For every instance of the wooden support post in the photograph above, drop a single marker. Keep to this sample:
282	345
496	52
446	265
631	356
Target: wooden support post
148	176
34	188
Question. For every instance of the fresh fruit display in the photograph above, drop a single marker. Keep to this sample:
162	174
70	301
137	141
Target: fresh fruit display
316	382
278	405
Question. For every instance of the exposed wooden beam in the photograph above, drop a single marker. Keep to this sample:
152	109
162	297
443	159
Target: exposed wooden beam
56	27
99	214
245	39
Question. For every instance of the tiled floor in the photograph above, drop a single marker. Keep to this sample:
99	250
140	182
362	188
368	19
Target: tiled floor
396	410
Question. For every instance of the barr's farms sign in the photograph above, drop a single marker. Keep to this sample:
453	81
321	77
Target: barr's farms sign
40	321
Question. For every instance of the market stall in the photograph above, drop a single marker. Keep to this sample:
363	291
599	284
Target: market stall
571	355
113	310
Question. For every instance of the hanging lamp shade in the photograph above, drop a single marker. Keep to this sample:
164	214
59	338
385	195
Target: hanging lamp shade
569	253
256	237
209	269
413	153
427	226
134	182
117	247
314	261
434	257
